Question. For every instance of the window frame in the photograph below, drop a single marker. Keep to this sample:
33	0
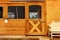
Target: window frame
36	6
42	9
17	6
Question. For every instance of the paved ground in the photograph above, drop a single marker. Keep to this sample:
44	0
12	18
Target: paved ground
23	38
26	38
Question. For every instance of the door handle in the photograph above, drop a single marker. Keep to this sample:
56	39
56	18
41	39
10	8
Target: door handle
5	20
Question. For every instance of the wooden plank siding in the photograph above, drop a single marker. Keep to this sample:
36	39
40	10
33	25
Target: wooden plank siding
22	26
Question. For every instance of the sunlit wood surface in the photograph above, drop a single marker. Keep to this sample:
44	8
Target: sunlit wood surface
25	38
22	26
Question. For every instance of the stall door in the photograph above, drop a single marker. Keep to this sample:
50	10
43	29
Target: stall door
36	19
15	20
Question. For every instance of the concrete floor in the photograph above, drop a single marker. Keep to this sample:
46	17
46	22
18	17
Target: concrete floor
24	38
27	38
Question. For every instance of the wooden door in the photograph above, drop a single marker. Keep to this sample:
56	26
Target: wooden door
36	21
13	20
16	18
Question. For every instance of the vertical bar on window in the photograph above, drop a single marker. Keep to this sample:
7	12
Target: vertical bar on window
17	12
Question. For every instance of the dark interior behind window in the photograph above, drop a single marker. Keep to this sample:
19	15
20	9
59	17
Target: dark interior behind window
1	12
35	11
21	12
16	12
12	11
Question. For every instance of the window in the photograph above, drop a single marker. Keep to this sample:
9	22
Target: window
16	12
34	11
1	12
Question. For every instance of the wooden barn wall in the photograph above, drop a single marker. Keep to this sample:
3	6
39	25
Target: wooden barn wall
4	0
53	10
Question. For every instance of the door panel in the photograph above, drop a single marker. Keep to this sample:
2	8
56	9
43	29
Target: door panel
16	20
36	25
15	23
15	17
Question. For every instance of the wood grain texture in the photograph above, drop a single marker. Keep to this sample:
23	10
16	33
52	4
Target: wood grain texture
26	0
20	26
